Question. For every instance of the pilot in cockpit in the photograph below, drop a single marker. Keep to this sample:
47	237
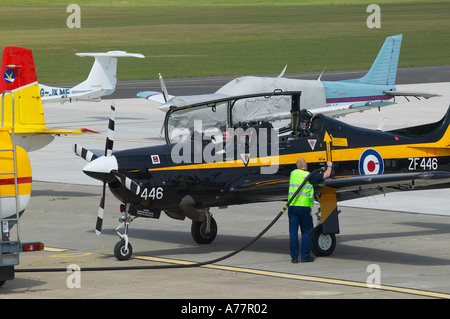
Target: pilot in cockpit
301	123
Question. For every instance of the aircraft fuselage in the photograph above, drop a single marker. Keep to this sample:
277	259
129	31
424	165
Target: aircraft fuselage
354	151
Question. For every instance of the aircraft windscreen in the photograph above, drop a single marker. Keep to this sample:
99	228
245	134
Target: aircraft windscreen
204	119
212	119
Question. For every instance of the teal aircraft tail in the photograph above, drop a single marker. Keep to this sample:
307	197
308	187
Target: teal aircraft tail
384	68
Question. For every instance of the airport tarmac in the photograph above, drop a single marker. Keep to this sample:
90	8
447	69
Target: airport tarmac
386	236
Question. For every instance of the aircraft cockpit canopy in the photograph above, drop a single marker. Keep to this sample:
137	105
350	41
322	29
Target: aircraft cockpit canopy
278	110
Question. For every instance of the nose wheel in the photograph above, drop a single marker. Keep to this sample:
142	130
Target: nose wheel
123	251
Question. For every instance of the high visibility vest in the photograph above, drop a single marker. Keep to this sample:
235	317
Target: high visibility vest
305	197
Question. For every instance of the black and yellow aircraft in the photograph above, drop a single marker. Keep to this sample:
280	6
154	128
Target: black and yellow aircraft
202	167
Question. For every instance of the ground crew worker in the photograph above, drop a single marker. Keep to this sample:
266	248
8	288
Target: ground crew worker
299	210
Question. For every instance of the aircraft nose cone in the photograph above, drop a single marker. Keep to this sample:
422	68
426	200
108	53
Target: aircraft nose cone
101	167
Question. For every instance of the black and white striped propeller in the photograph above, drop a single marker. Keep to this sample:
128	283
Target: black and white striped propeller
90	157
108	152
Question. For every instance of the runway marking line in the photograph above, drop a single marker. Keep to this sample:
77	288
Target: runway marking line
303	277
54	249
282	275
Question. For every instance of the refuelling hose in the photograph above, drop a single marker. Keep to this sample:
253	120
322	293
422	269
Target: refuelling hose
184	265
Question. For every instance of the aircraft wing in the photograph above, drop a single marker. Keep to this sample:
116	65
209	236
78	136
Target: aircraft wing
341	110
346	188
93	95
51	130
417	95
149	95
180	101
257	182
369	185
156	99
266	187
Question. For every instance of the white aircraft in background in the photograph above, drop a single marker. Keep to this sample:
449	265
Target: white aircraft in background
333	98
101	80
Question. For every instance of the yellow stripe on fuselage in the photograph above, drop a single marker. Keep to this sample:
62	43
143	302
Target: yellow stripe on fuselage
391	152
438	149
253	162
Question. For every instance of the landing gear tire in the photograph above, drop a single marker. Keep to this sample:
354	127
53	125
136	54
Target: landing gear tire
120	252
322	244
201	235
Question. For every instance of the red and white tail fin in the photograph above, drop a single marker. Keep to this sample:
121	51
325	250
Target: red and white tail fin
17	69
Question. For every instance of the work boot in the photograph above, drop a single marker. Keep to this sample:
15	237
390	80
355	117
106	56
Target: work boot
308	260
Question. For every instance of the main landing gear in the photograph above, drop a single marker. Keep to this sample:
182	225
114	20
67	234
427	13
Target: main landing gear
204	232
322	244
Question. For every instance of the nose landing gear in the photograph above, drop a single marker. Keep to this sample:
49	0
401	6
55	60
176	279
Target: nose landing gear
123	249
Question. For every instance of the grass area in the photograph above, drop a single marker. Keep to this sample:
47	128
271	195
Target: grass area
189	3
227	40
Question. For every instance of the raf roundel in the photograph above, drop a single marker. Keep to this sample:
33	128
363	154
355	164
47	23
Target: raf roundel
370	163
9	76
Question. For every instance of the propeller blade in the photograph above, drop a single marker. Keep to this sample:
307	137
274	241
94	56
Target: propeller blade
163	88
131	185
108	152
110	136
101	209
84	153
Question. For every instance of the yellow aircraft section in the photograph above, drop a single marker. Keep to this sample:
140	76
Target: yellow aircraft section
7	178
24	177
28	113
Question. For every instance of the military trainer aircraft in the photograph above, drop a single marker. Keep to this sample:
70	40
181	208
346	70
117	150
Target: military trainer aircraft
241	149
333	98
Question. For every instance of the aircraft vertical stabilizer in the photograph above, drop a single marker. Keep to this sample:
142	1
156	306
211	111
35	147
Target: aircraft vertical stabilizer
19	79
384	68
103	72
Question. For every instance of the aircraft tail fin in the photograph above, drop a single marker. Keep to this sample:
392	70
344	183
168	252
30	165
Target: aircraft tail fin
103	72
20	92
443	130
19	78
435	135
17	68
384	68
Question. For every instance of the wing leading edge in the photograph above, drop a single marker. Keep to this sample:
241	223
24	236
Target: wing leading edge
369	185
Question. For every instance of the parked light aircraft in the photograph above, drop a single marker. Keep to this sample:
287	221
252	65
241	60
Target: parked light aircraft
374	90
100	82
197	170
20	92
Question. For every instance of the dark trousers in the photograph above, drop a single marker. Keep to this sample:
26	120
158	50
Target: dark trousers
300	216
